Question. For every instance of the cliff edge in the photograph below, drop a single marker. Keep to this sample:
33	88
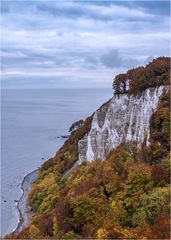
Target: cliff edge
124	118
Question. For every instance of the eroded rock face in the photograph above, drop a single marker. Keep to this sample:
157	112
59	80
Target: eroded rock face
124	118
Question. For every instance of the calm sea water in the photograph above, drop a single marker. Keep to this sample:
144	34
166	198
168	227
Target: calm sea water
31	120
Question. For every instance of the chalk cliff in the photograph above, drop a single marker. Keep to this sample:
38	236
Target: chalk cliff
123	118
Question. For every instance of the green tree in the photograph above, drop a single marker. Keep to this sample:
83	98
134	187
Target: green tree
84	210
151	206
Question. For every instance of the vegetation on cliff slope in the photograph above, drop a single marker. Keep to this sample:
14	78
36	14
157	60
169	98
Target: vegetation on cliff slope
125	196
154	74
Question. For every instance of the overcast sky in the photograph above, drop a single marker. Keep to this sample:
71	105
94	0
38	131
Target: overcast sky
79	43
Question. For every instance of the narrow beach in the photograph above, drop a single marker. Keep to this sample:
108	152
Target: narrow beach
23	206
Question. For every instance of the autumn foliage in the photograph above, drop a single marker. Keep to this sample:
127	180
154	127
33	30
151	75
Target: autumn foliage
126	196
154	74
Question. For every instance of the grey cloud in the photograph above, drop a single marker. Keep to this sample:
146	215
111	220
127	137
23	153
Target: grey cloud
75	11
159	8
91	61
4	9
113	59
78	10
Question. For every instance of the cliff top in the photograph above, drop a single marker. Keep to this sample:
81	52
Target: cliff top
154	74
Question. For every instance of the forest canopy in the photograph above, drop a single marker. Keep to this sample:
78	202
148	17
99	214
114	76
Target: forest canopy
154	74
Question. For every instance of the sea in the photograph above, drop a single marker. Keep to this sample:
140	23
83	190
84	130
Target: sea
32	121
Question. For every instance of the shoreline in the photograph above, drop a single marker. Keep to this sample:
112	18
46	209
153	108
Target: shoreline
23	207
25	213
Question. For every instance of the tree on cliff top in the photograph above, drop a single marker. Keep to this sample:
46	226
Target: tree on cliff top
154	74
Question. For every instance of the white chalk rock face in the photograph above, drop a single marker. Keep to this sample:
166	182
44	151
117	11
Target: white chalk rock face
122	119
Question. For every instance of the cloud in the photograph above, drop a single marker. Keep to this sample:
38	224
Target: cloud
113	59
79	43
4	9
160	8
92	11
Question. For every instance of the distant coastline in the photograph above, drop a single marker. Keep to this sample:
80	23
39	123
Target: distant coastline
23	207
